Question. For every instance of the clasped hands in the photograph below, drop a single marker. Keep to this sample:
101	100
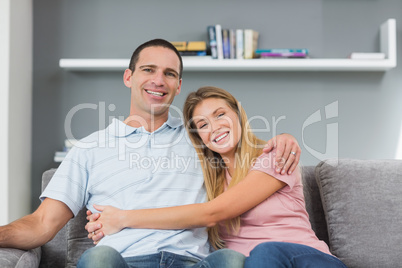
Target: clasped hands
109	220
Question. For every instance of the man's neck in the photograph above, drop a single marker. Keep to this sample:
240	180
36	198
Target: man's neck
149	122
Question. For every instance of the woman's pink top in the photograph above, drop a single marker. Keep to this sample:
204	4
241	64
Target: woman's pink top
282	217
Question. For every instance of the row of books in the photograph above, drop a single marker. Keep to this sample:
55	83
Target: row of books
232	43
242	44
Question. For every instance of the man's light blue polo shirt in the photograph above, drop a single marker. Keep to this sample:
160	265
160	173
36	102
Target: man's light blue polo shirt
130	168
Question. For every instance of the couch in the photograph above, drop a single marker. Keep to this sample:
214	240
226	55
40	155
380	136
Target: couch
355	206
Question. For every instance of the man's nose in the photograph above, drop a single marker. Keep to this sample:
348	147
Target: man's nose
158	79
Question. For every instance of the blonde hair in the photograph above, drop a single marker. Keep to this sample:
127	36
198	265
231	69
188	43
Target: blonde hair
248	149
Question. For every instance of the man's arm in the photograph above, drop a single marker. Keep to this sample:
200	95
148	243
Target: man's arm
287	152
37	228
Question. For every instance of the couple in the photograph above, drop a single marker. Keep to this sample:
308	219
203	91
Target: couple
251	209
103	175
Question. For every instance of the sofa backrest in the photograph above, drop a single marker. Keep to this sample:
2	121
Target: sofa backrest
66	247
313	203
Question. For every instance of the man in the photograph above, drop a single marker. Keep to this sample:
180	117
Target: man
127	166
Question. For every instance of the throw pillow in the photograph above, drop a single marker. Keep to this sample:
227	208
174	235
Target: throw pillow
362	201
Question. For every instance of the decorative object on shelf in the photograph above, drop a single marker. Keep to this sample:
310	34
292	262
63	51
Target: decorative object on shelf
387	46
367	56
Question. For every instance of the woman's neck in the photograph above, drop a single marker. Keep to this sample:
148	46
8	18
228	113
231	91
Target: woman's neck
230	163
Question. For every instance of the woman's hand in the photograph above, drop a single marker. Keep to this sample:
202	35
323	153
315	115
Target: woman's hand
287	152
108	222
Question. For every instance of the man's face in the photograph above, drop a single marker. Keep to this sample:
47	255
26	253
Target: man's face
155	81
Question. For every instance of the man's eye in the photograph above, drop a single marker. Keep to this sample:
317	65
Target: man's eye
147	70
171	74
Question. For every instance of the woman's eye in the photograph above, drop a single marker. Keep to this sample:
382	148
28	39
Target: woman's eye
203	125
221	114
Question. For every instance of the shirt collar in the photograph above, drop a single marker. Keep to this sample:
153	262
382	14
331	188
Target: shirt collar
119	129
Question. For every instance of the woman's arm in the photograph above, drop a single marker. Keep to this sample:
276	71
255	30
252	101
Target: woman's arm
251	191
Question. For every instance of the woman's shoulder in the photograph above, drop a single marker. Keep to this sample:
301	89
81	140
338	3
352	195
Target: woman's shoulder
266	163
265	160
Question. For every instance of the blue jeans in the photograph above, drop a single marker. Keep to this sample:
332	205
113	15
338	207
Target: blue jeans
281	254
104	256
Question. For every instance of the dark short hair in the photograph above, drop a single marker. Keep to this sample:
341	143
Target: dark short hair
154	43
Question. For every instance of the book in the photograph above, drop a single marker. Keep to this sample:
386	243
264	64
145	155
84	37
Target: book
212	41
232	43
219	45
207	57
196	46
239	44
250	43
180	45
282	50
226	43
193	53
191	48
367	56
282	55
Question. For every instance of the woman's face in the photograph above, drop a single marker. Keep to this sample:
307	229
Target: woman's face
218	126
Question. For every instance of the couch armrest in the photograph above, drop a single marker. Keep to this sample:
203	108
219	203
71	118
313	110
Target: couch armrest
11	257
46	177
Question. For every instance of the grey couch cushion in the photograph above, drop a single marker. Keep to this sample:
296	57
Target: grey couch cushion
362	201
16	258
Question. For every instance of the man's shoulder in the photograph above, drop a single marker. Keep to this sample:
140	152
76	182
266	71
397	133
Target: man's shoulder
92	139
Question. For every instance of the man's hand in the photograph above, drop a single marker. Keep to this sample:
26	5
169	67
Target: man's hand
93	227
105	223
287	152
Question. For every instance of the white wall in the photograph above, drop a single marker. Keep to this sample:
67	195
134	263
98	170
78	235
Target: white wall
15	108
4	48
368	104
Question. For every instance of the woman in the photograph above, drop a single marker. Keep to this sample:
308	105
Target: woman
251	209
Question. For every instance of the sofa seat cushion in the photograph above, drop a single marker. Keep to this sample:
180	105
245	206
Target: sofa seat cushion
362	201
17	258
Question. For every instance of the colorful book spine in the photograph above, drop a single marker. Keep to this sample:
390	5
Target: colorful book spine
250	43
239	44
226	43
219	45
232	42
212	41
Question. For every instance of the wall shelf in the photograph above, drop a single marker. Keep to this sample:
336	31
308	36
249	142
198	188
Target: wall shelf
387	46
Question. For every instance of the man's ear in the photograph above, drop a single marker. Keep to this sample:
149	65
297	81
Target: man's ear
179	87
127	77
